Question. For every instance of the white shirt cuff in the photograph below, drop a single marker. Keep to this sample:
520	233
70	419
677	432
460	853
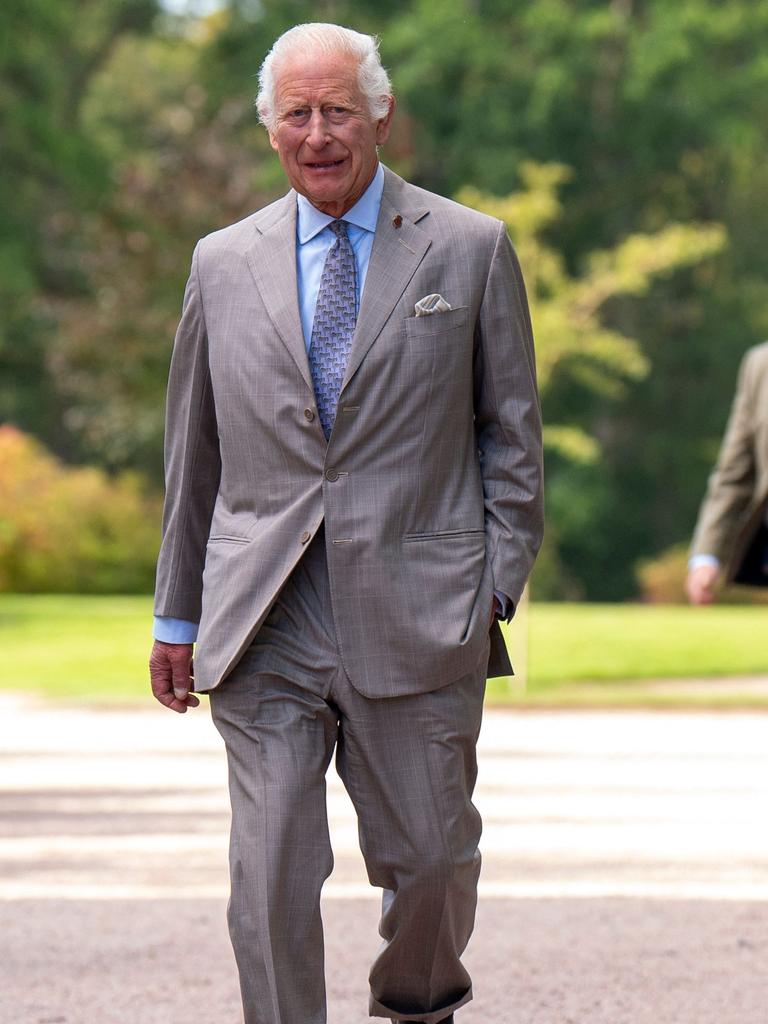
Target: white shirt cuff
697	561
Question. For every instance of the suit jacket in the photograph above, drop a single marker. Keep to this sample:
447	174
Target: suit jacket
431	483
731	523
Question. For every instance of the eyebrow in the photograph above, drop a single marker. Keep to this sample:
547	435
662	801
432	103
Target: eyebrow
291	102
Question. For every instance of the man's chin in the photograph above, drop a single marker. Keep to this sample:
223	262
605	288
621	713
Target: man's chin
333	201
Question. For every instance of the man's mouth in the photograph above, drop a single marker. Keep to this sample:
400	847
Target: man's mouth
324	165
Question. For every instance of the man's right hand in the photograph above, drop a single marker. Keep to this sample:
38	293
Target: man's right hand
700	584
170	672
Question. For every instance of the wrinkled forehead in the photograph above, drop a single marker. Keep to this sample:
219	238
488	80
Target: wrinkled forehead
318	78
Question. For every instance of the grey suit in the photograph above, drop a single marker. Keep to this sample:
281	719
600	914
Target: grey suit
344	588
431	481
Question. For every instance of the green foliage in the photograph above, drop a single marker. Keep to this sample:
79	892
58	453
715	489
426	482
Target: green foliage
71	530
52	171
572	341
128	133
182	170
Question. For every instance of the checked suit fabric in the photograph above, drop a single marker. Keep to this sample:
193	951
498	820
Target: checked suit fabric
334	325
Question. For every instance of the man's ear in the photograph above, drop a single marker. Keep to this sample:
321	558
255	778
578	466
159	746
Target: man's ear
273	141
383	126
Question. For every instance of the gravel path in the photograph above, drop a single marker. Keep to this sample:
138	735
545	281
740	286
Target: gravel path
625	876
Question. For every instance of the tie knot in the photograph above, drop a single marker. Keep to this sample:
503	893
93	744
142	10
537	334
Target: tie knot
339	228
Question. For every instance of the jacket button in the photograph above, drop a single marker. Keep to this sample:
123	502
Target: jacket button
309	415
305	536
331	474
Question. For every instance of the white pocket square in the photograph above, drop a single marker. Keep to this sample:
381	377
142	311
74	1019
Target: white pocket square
431	304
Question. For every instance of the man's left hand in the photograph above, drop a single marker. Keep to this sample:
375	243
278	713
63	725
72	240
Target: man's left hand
495	610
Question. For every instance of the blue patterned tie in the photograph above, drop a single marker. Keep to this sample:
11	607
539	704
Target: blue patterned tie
334	325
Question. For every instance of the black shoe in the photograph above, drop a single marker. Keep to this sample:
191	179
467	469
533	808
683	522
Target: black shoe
445	1020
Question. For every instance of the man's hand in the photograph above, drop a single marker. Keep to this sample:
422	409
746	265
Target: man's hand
170	672
700	584
495	609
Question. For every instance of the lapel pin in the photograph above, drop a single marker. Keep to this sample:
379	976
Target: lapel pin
397	221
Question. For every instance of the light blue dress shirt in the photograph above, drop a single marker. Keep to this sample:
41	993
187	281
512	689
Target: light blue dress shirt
313	240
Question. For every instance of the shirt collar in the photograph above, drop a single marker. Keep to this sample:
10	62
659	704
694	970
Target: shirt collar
364	213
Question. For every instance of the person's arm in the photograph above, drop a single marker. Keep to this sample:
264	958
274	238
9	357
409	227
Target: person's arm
508	422
703	574
729	492
192	473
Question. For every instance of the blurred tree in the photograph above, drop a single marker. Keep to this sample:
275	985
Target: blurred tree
51	171
181	168
574	347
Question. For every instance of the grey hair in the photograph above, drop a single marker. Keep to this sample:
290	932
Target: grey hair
322	38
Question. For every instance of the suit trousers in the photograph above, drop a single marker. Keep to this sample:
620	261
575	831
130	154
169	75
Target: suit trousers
409	766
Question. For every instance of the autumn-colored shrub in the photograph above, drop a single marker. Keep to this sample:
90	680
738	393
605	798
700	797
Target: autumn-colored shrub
72	529
662	581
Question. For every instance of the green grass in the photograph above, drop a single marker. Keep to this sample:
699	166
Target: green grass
97	648
76	646
623	641
609	653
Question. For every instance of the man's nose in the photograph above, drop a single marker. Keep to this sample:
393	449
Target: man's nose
317	130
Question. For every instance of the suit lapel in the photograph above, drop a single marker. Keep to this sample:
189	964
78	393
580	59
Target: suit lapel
397	252
272	261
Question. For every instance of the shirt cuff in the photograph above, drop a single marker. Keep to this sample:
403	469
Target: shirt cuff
174	631
507	607
697	561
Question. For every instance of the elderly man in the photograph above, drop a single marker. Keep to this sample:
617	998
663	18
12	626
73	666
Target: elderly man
731	537
353	462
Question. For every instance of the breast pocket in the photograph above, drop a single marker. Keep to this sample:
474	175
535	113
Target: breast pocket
436	324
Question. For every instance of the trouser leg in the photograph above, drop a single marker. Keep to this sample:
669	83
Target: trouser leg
279	740
409	765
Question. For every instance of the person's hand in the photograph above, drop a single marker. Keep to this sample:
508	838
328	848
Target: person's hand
170	672
495	609
700	584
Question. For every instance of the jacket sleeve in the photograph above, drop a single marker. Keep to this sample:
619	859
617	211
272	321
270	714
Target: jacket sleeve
192	463
508	423
731	486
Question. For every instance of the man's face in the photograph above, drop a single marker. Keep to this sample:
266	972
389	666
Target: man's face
324	135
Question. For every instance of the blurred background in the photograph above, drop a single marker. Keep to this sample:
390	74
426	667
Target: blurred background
624	142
